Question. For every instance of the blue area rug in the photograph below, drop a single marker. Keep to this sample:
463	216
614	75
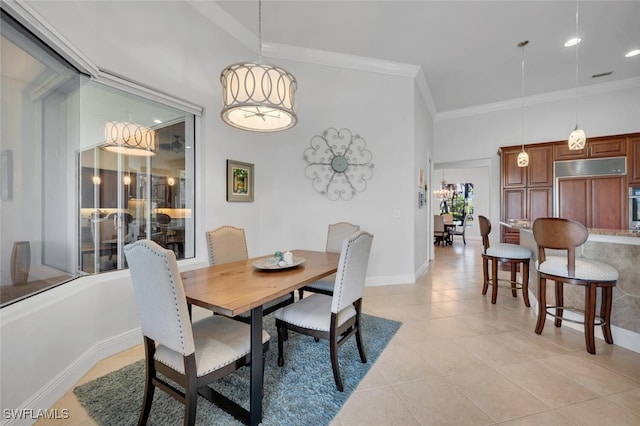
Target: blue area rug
302	392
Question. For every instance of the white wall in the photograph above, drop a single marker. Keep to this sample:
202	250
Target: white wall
294	215
423	147
51	339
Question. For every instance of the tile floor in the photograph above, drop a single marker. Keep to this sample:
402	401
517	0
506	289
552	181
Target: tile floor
458	360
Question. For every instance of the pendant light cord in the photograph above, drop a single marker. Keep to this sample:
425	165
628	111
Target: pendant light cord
577	63
524	43
259	31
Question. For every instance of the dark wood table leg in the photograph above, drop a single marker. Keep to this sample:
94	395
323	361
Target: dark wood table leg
257	366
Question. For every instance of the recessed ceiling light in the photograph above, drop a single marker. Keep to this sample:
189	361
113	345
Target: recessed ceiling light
572	42
635	52
157	121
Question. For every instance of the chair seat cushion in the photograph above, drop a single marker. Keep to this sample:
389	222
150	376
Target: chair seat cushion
509	251
268	305
586	269
313	312
219	341
325	285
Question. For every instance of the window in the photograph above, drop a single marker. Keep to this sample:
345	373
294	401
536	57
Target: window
127	197
460	204
67	205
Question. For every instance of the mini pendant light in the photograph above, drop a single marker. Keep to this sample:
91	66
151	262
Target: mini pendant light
577	138
523	157
258	97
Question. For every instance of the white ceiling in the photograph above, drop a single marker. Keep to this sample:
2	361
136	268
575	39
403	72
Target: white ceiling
467	50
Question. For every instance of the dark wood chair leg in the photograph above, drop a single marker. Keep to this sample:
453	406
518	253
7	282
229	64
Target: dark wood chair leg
281	332
605	313
300	292
542	304
190	390
190	404
485	274
559	303
363	355
494	280
333	348
149	387
147	399
525	283
514	271
589	317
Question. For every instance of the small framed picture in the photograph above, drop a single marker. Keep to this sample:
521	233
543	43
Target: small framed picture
239	181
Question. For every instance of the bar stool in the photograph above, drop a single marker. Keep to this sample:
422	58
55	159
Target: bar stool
505	253
565	234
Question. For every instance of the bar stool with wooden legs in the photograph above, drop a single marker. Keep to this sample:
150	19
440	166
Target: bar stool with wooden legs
565	234
503	253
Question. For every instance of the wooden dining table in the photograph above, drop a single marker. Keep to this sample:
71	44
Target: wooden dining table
236	287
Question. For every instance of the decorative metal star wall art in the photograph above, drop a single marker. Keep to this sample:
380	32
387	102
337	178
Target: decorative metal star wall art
339	164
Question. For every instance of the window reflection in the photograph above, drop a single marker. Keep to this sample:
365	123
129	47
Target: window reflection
68	205
137	197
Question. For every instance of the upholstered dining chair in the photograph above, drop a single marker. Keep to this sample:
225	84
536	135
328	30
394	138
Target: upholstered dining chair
229	244
335	318
565	267
191	355
447	217
440	234
336	233
461	230
513	254
226	244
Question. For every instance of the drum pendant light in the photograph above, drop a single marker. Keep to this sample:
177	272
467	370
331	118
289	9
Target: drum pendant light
523	157
258	97
577	138
128	138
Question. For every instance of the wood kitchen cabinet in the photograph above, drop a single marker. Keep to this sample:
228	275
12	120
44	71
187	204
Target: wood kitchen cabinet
596	202
633	160
512	175
540	169
527	192
601	147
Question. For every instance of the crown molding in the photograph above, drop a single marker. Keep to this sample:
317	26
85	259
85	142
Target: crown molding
30	19
211	11
560	95
423	87
340	60
246	37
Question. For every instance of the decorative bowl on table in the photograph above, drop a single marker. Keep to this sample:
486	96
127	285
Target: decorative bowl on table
272	263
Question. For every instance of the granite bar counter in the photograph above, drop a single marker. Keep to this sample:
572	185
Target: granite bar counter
619	248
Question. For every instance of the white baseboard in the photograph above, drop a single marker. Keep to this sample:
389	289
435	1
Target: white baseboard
50	393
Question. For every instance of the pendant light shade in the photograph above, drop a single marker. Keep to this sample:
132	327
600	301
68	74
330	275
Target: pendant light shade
258	97
523	159
129	139
577	138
